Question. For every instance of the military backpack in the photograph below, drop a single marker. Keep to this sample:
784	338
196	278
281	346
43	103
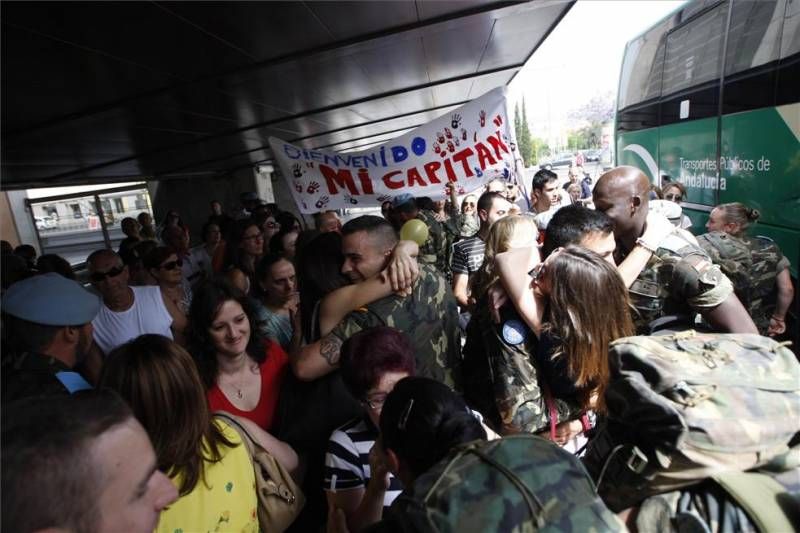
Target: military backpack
515	484
751	263
686	407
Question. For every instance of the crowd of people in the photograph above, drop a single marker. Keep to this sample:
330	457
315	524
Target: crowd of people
357	360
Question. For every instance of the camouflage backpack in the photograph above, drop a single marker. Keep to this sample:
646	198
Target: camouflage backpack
751	263
689	406
518	483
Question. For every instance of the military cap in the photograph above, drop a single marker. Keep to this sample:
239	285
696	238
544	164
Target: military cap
671	210
401	199
51	300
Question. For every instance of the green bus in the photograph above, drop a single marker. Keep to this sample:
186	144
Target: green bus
710	97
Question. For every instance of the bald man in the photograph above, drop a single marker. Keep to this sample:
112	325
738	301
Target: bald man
680	278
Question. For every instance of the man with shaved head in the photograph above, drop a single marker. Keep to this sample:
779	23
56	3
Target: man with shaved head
128	312
679	279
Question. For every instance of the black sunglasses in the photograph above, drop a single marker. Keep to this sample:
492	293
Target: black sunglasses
97	277
172	265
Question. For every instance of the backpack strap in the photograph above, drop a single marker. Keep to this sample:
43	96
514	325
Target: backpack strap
758	495
72	381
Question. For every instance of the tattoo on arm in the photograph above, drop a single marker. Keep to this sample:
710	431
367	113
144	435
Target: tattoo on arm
329	348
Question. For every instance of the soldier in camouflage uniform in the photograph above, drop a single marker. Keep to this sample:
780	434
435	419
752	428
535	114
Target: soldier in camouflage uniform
433	251
756	266
501	379
428	315
680	278
456	481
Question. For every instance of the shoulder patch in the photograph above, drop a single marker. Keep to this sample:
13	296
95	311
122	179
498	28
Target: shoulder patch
514	332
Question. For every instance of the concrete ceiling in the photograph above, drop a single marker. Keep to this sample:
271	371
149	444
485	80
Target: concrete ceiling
113	91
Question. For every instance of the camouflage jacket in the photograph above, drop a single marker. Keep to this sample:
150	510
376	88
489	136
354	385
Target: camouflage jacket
433	251
468	225
501	378
429	317
679	279
752	264
487	486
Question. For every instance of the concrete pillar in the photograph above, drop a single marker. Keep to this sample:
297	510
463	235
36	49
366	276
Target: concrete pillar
26	231
8	228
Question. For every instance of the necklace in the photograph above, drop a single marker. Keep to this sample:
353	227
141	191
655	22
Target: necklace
238	387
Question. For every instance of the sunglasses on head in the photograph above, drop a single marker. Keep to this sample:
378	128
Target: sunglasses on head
97	277
172	265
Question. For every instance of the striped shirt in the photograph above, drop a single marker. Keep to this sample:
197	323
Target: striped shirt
348	459
468	255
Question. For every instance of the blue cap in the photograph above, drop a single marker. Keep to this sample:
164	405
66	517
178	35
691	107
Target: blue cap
401	199
51	300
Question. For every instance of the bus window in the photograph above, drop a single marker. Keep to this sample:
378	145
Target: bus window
753	37
640	79
753	46
789	69
790	41
692	67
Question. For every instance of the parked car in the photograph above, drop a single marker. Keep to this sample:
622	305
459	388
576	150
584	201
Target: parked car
592	155
564	159
43	223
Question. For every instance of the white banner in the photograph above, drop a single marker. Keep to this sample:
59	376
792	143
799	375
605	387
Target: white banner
469	147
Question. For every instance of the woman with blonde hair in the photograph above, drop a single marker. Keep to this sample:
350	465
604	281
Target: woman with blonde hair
755	265
513	231
202	455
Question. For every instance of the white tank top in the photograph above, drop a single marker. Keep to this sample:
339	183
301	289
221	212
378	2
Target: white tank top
148	314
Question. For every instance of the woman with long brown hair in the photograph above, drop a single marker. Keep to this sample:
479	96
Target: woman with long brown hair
242	372
202	455
582	304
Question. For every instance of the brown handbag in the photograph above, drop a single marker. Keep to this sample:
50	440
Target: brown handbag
280	500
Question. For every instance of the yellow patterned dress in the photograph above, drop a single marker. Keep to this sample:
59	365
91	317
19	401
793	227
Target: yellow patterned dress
225	502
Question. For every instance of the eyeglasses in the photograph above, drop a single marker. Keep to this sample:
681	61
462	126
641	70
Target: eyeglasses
537	272
673	197
97	277
254	237
376	402
172	265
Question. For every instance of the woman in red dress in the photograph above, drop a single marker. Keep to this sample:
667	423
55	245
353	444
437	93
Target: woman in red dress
242	373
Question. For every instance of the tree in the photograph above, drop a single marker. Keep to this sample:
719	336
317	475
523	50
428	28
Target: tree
596	111
539	148
525	142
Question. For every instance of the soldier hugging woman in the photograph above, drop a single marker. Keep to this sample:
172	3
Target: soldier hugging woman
554	330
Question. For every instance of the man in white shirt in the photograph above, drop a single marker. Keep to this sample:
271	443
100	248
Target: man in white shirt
545	197
128	312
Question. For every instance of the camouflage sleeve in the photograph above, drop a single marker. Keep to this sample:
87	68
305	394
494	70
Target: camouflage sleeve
519	399
783	264
352	324
699	282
